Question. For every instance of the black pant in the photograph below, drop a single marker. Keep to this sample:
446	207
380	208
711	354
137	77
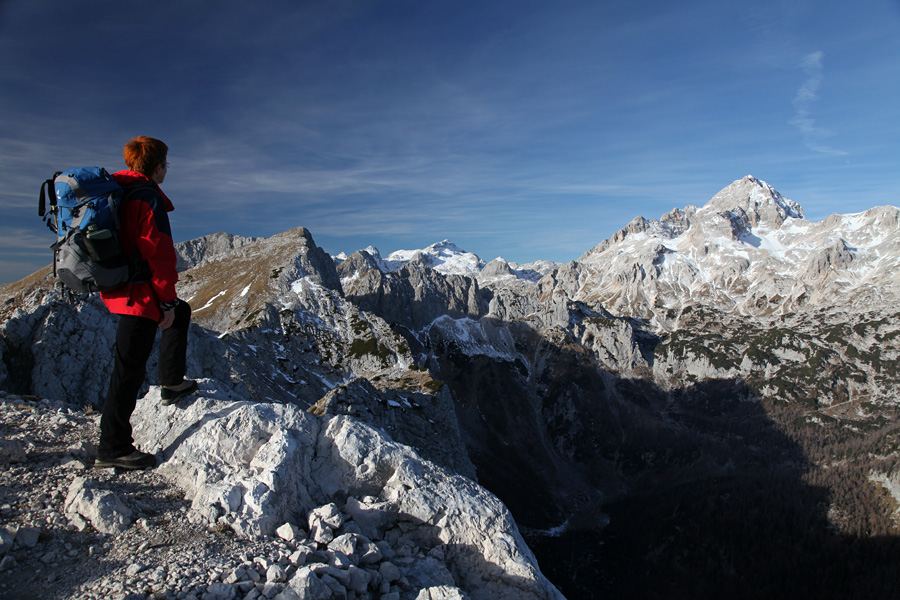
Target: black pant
134	341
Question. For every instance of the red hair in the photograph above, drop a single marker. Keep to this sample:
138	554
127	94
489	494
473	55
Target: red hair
144	154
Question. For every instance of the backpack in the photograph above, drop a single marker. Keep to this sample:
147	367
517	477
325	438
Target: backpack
84	214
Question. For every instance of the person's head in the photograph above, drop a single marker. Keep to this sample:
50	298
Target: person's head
147	155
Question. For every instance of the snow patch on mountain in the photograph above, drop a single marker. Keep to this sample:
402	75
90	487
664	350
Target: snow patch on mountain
498	271
749	250
474	338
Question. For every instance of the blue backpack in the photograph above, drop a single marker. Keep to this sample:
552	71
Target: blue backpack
84	214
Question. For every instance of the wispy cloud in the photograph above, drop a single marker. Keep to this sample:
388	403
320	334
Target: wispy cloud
23	251
807	95
20	241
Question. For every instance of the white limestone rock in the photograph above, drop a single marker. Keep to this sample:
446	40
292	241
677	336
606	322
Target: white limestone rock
305	585
233	456
442	592
261	465
289	532
102	508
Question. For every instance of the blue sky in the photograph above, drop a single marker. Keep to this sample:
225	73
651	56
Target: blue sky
528	130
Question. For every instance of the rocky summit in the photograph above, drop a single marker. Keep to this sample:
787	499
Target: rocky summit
702	405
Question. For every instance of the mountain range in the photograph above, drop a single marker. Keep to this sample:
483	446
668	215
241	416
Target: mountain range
676	406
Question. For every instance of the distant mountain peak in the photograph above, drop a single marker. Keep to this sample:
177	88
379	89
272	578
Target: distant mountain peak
444	256
759	201
447	246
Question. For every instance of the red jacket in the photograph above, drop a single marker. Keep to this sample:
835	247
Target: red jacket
145	227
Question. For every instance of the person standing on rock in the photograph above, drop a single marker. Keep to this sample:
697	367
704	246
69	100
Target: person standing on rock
144	307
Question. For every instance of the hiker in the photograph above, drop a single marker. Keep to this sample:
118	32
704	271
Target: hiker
144	307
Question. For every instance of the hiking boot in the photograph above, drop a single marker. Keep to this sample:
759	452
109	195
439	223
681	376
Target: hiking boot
135	460
171	394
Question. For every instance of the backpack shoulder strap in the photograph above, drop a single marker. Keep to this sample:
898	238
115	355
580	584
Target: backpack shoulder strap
127	192
135	187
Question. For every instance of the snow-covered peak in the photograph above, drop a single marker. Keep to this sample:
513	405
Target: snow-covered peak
499	269
445	257
750	250
747	208
759	201
373	251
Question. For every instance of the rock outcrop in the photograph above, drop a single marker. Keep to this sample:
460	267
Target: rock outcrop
256	466
209	248
60	346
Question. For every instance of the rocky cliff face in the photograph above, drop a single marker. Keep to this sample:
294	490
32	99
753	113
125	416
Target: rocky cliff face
716	343
209	248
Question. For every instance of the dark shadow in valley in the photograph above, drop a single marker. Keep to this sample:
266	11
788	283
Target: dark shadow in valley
625	490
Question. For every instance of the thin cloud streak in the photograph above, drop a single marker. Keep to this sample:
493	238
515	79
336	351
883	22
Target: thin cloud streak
807	95
23	251
21	241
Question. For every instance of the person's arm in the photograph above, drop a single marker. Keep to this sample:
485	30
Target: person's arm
154	242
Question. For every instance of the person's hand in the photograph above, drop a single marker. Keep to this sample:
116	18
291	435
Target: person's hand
168	318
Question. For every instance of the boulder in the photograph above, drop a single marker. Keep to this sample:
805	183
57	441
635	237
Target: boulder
102	508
